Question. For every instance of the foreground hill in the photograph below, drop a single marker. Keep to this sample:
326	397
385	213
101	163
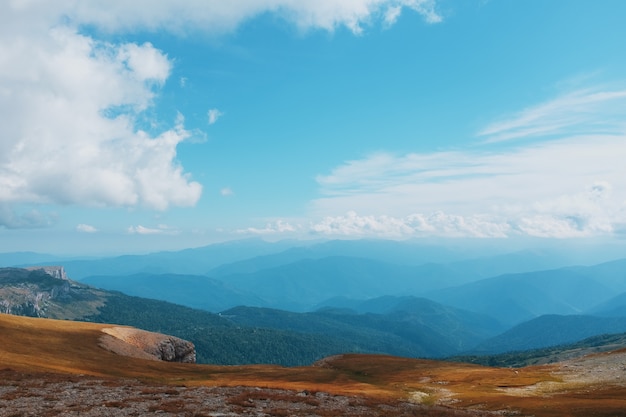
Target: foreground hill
43	360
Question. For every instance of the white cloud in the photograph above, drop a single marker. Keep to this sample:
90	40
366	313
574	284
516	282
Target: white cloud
590	212
217	16
214	115
31	219
226	192
70	102
413	225
392	14
276	227
582	112
570	181
161	229
69	137
86	228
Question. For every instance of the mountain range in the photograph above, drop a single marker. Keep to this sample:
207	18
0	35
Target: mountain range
318	299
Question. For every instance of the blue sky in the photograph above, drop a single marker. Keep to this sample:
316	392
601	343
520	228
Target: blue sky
142	126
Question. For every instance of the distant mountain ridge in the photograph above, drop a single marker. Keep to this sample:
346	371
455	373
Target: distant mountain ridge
551	330
515	298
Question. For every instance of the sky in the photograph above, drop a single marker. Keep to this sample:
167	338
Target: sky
140	126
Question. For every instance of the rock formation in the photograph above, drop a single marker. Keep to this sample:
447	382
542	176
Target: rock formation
46	291
57	272
148	345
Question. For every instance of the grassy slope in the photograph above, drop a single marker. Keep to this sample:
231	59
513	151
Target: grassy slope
36	345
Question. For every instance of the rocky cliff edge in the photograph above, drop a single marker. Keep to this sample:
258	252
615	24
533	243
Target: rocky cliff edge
133	342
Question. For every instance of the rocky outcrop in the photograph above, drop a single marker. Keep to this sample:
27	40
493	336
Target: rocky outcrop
57	272
46	291
148	345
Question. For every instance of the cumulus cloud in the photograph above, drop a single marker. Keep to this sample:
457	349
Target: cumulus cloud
70	104
86	228
276	227
413	225
590	212
214	115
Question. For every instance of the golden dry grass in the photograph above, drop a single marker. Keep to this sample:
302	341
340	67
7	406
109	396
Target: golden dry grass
43	345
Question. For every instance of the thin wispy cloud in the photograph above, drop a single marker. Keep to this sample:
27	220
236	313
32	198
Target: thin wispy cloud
549	187
30	219
217	16
226	192
159	230
86	228
581	112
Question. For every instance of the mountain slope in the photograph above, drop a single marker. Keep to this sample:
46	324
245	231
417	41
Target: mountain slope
303	285
551	330
36	293
614	307
412	327
515	298
194	291
188	261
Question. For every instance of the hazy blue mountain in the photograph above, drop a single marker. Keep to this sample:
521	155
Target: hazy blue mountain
299	286
388	251
473	263
14	259
610	274
189	261
194	291
303	285
528	260
614	307
515	298
551	330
